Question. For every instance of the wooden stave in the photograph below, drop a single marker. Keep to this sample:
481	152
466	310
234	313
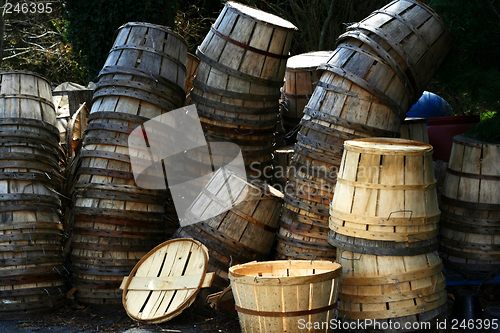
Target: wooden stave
414	129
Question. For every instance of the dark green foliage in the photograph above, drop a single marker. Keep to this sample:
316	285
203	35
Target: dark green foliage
92	24
487	130
470	77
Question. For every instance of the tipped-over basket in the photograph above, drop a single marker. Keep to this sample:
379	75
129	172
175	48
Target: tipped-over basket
285	295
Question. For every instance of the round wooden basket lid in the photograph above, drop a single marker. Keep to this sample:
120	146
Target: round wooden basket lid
166	280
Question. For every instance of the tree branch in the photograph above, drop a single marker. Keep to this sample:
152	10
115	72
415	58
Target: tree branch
325	26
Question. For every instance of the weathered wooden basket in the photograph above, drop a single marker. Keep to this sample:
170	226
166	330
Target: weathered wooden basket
411	34
275	296
414	129
386	196
399	289
243	233
147	62
26	95
243	60
300	80
470	204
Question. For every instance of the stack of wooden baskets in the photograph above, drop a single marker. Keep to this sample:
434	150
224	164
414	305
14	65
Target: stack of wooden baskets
32	273
115	221
384	222
237	86
377	71
470	205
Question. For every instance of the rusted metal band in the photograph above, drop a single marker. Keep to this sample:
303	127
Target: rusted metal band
296	96
117	115
31	122
124	189
25	279
330	132
116	195
386	186
143	96
29	157
144	234
105	155
116	84
234	121
337	89
383	98
304	244
248	47
150	50
233	108
105	173
472	175
35	176
32	237
30	97
156	27
286	314
342	122
123	222
250	219
237	131
129	214
286	225
459	249
179	91
12	135
302	152
318	143
470	228
106	260
234	94
467	219
115	247
240	75
470	205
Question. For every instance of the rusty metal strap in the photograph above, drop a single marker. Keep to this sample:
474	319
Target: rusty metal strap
234	121
473	175
145	74
140	95
30	97
248	47
469	204
240	75
234	108
151	50
118	116
286	314
337	89
31	122
234	94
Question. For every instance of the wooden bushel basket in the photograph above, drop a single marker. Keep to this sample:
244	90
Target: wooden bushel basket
410	33
275	296
243	233
399	289
386	196
470	204
26	95
300	78
243	61
147	62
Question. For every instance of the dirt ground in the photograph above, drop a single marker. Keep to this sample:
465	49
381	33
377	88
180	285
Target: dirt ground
78	318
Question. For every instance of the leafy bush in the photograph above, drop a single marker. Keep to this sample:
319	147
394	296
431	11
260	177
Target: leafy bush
92	24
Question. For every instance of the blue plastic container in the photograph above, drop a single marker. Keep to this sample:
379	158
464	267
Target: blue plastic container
429	106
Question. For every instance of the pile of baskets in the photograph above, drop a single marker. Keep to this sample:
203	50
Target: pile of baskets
115	221
378	70
32	274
